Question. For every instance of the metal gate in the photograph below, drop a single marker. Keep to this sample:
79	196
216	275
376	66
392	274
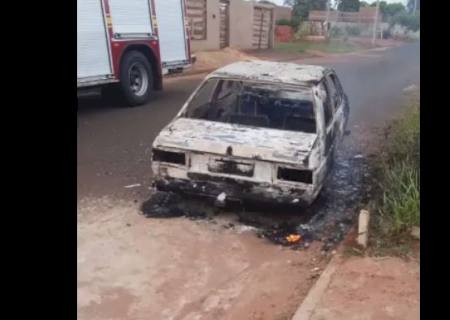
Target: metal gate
196	14
262	27
224	23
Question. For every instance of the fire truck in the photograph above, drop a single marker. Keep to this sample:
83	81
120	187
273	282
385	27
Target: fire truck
126	46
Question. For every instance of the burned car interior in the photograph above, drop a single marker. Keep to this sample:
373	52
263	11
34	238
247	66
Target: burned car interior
252	131
255	104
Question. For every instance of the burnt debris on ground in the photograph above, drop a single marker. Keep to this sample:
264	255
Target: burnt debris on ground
170	205
327	220
340	200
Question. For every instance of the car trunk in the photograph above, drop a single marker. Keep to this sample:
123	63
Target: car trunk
226	149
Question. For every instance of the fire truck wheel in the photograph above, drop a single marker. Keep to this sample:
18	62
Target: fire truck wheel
136	78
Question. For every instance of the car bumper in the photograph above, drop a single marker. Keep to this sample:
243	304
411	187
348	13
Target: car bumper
237	191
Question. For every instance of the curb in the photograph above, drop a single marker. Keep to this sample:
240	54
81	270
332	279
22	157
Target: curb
308	305
190	73
313	56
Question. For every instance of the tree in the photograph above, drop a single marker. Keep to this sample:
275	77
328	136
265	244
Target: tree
267	2
364	4
382	7
393	9
410	21
410	5
301	8
389	10
348	5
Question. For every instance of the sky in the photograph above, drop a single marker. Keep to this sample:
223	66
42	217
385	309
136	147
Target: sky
280	2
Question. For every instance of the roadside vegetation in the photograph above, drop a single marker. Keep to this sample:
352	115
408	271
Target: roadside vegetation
396	207
400	22
331	46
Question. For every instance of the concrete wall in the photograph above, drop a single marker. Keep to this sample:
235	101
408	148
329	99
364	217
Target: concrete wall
212	41
284	33
366	29
282	13
241	24
365	15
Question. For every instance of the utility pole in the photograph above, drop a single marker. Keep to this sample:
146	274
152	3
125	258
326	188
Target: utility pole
327	19
337	11
415	7
375	22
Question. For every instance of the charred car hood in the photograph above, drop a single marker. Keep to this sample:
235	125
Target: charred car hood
246	142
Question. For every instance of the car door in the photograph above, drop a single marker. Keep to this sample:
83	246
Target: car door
329	115
337	105
328	132
340	104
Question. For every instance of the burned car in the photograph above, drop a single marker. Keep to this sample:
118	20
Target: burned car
256	130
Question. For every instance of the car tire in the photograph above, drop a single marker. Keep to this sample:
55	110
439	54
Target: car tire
136	78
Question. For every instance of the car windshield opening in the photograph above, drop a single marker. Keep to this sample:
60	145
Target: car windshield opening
275	106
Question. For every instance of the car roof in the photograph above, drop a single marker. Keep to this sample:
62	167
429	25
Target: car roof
281	72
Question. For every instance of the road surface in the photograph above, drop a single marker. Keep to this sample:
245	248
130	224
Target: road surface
114	142
131	267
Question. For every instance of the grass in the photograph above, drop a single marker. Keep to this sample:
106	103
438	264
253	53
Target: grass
397	170
301	46
402	196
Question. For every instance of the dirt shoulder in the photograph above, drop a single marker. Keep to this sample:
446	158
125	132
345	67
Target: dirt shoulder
369	288
207	61
132	267
374	284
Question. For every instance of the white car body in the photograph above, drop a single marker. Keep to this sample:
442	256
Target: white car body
230	161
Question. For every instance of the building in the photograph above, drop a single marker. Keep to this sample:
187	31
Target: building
363	20
364	15
216	24
282	12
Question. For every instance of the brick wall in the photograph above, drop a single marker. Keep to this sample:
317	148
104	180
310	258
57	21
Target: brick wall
284	33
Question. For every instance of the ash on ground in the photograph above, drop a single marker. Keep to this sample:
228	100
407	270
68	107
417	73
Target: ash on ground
170	205
327	220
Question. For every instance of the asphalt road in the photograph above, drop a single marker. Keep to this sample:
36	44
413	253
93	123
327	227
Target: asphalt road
133	267
114	142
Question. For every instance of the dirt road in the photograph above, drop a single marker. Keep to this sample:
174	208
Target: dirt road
131	267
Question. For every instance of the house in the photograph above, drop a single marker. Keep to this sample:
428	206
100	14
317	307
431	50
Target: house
216	24
363	20
282	12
